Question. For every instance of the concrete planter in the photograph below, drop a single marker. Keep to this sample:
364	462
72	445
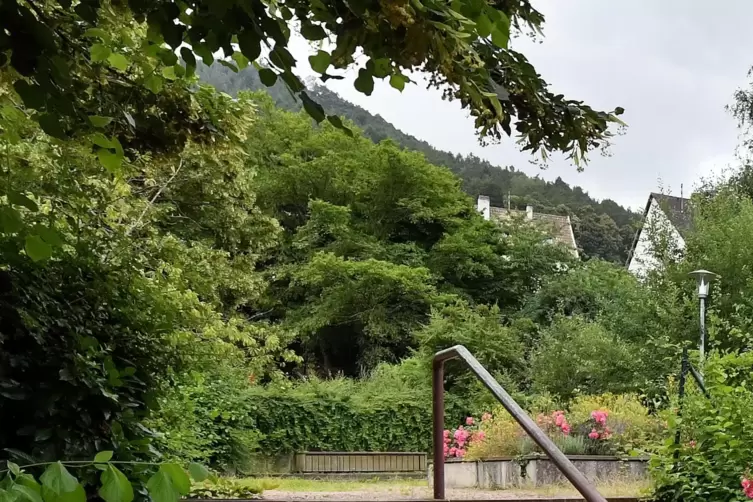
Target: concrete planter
536	470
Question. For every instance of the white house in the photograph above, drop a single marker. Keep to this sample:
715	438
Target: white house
558	227
666	221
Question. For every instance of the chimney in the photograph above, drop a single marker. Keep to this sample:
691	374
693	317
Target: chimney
529	212
484	206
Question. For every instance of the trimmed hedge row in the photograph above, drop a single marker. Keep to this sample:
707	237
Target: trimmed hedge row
293	422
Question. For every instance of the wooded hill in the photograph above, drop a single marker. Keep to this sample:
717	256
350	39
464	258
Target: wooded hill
602	229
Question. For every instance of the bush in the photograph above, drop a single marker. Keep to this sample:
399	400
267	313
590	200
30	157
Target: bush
714	453
581	357
343	415
596	425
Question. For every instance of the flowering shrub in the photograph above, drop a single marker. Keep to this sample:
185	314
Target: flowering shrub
458	441
605	424
747	486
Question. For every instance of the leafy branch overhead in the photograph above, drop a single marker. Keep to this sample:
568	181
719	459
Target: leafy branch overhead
100	66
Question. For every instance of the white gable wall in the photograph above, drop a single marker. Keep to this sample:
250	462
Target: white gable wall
643	260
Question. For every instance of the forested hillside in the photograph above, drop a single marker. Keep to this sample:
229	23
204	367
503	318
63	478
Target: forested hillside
602	229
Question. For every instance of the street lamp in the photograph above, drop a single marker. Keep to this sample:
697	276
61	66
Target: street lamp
703	278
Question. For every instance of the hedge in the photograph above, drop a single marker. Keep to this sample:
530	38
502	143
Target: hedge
302	421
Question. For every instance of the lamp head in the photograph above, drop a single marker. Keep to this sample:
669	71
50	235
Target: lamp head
703	278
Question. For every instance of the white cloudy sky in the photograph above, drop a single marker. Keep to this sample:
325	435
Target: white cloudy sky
672	64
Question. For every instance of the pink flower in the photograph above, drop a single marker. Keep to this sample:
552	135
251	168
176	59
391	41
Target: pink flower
691	443
446	433
593	434
566	429
558	421
453	451
486	417
447	440
745	483
469	421
481	435
599	416
460	453
446	450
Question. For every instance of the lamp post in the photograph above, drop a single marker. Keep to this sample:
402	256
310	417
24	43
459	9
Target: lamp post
703	278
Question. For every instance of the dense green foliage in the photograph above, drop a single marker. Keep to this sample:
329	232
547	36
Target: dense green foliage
713	455
602	229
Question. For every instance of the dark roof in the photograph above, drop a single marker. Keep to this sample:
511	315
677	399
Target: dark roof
557	226
677	210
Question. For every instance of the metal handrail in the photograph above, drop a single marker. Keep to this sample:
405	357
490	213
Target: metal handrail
559	459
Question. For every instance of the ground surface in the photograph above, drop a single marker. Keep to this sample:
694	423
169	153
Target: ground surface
301	489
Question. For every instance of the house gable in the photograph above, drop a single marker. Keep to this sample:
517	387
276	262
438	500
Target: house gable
663	214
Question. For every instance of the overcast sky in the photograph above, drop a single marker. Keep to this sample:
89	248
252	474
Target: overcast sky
672	64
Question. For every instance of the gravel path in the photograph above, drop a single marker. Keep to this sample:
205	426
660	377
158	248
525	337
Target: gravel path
403	493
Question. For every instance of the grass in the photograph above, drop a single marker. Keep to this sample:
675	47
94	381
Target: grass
614	488
331	485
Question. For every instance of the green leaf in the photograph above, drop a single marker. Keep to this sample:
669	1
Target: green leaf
365	82
228	64
28	481
313	108
161	488
19	199
115	485
118	61
77	495
381	67
313	32
204	53
97	33
103	456
26	493
189	59
169	73
500	39
338	123
320	61
267	77
398	81
51	125
99	120
38	250
49	235
32	95
101	140
110	161
178	477
501	30
8	496
56	477
282	58
99	52
168	57
293	82
249	44
198	472
483	26
240	60
10	220
153	83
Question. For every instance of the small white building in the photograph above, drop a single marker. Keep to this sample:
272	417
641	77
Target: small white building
666	221
556	226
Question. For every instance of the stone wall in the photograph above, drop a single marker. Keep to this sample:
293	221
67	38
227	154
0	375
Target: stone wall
534	471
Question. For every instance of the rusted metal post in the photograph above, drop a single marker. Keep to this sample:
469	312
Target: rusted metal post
438	425
579	481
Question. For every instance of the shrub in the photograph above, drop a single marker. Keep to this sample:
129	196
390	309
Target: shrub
714	454
631	427
597	425
581	357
